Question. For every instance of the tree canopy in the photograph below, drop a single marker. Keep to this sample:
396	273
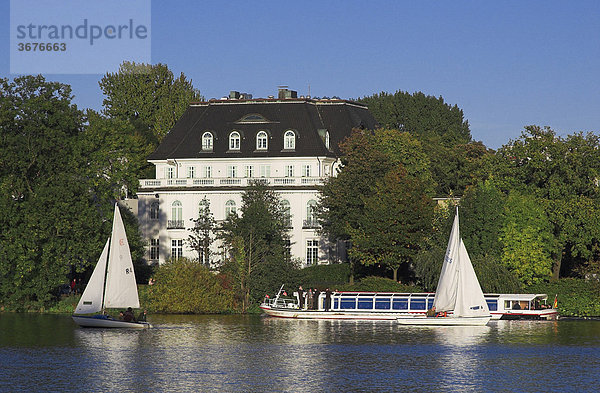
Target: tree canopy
147	94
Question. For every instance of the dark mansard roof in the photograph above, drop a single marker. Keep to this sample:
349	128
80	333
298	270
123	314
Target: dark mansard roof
309	119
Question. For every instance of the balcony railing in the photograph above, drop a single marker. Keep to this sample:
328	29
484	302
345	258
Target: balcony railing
311	223
228	182
175	224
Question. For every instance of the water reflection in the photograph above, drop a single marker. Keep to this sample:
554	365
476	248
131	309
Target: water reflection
258	354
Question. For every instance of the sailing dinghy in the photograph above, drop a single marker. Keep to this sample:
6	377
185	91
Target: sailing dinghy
112	284
458	296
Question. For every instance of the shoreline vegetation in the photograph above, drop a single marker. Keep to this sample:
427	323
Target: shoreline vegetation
577	298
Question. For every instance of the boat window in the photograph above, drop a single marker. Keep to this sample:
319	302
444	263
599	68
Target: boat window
492	304
430	303
417	304
400	304
348	303
365	304
382	304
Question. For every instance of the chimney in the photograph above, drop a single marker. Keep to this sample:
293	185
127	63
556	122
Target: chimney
286	93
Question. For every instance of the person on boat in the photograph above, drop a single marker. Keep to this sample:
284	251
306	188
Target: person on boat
327	299
300	297
309	299
516	306
128	315
142	316
316	299
431	312
121	315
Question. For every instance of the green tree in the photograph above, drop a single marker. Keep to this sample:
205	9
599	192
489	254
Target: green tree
443	133
114	155
43	216
56	191
395	221
149	95
426	117
256	244
202	234
527	239
562	174
482	216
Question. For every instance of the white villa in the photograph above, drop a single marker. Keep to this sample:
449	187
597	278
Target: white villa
218	146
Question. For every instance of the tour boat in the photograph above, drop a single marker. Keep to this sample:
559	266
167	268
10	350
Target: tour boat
391	305
112	284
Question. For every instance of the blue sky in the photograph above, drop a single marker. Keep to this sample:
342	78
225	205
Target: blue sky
505	64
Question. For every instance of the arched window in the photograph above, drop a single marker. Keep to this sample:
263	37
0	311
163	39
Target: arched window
229	208
285	206
207	141
289	140
154	211
234	141
176	221
262	140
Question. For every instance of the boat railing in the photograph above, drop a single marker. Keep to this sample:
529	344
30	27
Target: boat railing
281	303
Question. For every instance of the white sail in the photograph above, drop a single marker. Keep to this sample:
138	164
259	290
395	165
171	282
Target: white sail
458	288
121	289
91	300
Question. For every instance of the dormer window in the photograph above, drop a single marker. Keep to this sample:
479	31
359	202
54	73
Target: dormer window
262	140
234	141
207	141
327	140
289	140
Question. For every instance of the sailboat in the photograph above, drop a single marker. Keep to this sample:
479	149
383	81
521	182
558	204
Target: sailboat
458	296
112	284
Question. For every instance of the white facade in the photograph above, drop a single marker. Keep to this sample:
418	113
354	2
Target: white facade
180	186
217	147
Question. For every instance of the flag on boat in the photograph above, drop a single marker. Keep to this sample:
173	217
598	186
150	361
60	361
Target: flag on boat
555	305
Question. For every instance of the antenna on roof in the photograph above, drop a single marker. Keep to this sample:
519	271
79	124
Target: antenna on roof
308	96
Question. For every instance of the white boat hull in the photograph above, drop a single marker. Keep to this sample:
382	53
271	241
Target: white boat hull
321	314
93	321
445	321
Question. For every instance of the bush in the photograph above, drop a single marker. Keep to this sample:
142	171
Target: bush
576	297
379	284
323	276
183	287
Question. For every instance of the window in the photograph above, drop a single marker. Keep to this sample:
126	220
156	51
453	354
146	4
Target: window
265	171
170	173
262	140
191	172
154	211
326	169
207	141
208	171
289	171
285	206
306	170
176	248
249	170
176	221
327	139
312	252
154	249
231	171
234	141
311	209
229	208
289	140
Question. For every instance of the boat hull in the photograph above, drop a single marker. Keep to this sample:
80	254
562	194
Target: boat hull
95	322
446	321
321	314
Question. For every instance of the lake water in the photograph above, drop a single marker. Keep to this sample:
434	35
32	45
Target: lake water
49	353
